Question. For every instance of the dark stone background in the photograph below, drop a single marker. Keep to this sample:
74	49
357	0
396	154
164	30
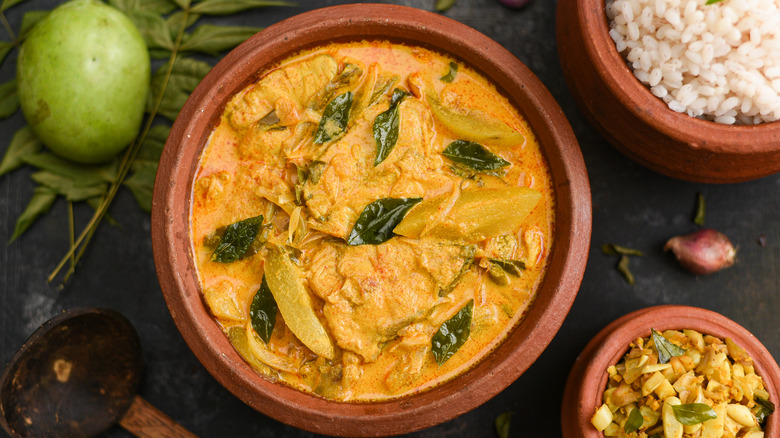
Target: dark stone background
632	206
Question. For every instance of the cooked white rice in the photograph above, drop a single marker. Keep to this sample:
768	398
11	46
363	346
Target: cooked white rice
719	62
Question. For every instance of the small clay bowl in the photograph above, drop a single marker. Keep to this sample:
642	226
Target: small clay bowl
171	225
640	125
588	377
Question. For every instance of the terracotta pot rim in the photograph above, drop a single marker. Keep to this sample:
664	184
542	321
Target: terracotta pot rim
588	377
170	229
636	97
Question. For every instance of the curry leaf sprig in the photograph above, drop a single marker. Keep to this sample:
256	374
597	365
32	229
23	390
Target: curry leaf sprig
7	46
171	31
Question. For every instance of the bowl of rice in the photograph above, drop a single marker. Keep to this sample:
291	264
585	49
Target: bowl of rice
687	88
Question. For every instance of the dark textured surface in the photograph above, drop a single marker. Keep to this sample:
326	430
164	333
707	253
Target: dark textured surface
631	206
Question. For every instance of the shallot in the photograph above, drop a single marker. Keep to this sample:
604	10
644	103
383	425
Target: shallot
703	252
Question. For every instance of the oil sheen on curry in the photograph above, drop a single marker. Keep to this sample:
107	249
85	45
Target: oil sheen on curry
369	220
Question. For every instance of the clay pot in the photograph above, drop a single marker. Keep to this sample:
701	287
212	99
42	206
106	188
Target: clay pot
171	209
588	378
639	124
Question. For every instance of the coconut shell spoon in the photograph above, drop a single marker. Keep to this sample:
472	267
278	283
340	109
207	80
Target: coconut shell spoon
78	375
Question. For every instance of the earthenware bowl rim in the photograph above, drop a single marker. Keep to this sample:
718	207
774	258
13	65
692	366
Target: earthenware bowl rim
174	262
588	378
636	97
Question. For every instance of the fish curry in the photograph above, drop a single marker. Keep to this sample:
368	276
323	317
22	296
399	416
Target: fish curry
369	220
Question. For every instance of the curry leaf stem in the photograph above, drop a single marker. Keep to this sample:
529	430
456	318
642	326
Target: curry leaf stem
86	235
71	233
8	28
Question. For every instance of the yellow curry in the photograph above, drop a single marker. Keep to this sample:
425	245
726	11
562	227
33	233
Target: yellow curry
370	220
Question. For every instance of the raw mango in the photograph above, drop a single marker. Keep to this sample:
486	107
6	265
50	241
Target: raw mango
295	304
475	216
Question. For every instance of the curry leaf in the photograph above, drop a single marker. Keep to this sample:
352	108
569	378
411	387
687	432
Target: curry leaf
474	156
701	210
316	168
9	99
263	312
376	222
72	189
237	239
153	144
144	167
693	413
712	2
23	144
176	22
624	252
154	29
386	127
5	47
762	409
30	19
634	421
511	267
452	334
666	349
502	424
87	174
612	249
141	183
443	5
622	267
212	40
9	3
462	171
334	118
268	120
184	4
40	203
158	7
453	71
225	7
185	76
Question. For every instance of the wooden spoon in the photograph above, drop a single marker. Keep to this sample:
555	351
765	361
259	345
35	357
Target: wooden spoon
78	375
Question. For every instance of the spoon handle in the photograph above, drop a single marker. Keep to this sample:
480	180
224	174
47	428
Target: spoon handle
145	421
